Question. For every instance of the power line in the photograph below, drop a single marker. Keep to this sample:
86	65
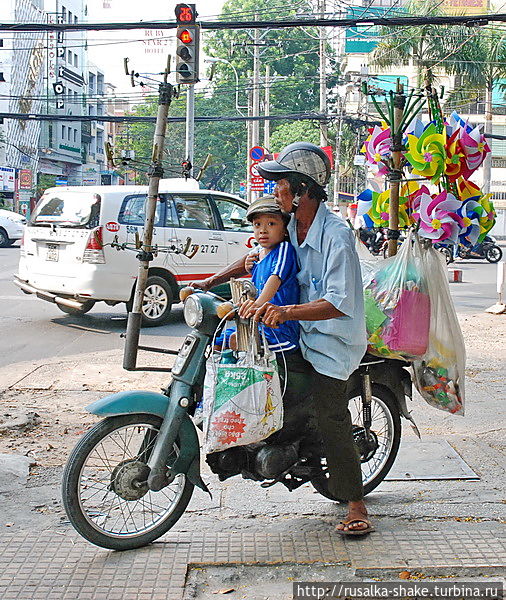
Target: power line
203	119
267	24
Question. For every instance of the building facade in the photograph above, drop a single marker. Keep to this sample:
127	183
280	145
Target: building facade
22	61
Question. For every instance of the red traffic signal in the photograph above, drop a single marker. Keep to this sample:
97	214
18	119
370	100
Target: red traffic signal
185	36
185	13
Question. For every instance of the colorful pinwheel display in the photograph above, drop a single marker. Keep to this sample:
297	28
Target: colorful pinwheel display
378	148
437	215
427	153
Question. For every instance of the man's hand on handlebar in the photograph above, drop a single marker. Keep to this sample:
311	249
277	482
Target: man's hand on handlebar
271	315
247	309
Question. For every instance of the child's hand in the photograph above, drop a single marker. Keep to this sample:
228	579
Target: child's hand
251	259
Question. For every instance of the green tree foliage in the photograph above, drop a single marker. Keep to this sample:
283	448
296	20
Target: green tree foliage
294	132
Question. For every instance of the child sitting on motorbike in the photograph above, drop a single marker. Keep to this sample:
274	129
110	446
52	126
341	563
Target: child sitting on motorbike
273	268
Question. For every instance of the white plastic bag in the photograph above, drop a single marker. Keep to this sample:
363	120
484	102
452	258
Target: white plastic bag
243	403
439	374
397	304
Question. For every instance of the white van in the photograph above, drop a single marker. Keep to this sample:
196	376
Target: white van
70	254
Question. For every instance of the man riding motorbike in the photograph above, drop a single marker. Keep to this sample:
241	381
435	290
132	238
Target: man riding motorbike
331	312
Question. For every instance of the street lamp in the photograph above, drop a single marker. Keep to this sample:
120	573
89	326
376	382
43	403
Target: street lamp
213	61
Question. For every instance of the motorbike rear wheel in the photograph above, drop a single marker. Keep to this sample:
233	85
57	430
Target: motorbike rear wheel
385	428
104	485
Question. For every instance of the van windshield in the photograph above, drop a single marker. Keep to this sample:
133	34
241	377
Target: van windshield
68	209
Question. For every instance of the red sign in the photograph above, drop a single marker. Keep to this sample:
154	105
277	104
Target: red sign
112	226
25	179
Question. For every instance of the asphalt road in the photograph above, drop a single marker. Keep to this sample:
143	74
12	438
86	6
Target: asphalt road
31	329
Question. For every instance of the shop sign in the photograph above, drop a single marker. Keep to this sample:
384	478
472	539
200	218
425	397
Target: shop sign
25	179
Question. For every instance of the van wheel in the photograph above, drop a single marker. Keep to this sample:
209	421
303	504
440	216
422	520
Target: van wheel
4	239
157	302
87	306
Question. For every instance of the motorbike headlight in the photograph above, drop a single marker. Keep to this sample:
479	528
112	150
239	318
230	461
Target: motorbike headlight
193	311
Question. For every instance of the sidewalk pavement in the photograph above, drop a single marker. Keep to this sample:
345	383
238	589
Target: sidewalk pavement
446	528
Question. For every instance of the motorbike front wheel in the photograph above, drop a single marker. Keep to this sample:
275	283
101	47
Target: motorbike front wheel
104	488
493	254
377	457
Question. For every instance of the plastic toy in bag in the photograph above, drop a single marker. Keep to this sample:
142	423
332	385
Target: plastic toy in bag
439	373
397	305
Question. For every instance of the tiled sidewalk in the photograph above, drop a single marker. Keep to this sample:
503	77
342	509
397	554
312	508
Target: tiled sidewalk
61	566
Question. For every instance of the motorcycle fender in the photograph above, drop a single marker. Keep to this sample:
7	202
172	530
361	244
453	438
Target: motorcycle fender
135	401
152	403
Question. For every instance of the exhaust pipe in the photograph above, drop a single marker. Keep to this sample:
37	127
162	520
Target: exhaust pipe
29	289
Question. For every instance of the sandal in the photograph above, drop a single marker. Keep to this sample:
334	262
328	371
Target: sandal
349	522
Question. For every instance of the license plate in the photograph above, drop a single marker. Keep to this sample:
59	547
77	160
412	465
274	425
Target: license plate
52	252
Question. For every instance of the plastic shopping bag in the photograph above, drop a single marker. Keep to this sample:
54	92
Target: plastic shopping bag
243	403
439	374
397	304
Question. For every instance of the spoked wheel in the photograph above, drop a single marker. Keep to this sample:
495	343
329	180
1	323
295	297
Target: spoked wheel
493	254
105	493
378	452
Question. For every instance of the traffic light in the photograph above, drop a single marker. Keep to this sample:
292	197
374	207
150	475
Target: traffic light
185	14
187	44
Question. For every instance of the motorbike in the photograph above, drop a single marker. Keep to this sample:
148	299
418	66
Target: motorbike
446	251
374	239
487	249
131	476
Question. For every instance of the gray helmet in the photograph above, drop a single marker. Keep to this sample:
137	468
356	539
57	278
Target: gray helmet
302	158
265	205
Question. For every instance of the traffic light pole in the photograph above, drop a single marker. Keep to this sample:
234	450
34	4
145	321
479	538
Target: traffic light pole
190	126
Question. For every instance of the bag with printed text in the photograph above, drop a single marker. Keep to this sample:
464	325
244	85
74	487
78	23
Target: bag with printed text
243	403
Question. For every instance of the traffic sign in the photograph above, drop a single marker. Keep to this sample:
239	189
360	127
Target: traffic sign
269	187
254	170
257	153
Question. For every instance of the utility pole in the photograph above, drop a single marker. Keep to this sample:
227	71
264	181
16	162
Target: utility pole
256	86
337	160
324	134
267	107
190	128
146	250
249	126
395	175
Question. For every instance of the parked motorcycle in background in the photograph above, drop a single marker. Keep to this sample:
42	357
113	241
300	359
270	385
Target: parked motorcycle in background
487	249
131	476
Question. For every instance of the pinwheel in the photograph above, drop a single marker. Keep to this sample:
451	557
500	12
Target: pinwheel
487	218
375	207
470	212
365	200
472	143
455	159
437	215
427	153
377	148
486	213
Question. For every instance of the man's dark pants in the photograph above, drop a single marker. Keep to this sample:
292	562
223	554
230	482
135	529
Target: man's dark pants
329	398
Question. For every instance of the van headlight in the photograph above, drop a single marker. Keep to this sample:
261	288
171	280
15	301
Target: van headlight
193	311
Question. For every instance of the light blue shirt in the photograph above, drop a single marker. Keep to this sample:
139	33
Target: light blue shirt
330	269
